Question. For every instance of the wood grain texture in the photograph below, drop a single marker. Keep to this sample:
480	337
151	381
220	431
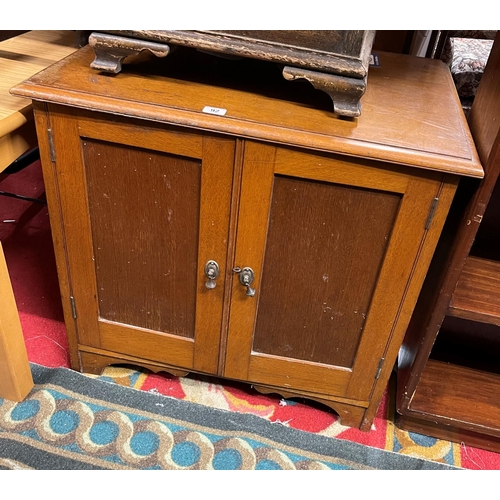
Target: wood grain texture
477	294
256	185
262	351
483	120
427	249
17	137
52	192
21	57
400	279
151	201
333	61
427	131
324	249
25	55
73	209
444	392
94	361
215	198
341	170
180	143
231	251
148	344
448	432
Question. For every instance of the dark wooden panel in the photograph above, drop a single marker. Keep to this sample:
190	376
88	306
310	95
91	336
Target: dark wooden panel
343	42
144	211
483	118
398	41
323	255
343	52
458	396
477	294
487	241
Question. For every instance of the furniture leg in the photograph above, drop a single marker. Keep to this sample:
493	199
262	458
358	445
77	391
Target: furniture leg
15	374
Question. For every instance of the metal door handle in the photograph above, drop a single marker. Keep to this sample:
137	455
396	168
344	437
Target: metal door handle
246	276
212	273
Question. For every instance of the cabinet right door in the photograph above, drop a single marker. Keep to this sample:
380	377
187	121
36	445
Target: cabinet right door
332	243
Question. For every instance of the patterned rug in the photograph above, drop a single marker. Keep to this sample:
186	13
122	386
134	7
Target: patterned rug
71	421
304	415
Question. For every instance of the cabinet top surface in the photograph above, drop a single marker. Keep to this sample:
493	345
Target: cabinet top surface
411	114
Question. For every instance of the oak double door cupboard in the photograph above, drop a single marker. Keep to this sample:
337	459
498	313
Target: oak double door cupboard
275	244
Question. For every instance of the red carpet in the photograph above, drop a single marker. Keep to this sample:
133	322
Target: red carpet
30	258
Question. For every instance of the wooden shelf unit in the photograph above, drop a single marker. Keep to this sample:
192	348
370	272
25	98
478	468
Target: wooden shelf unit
449	405
448	368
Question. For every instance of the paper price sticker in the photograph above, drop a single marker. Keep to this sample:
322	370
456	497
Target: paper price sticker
214	111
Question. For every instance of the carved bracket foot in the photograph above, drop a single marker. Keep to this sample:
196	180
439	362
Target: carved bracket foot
110	51
345	92
349	415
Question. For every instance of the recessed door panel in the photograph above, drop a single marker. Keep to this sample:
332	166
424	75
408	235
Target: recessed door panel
144	210
325	246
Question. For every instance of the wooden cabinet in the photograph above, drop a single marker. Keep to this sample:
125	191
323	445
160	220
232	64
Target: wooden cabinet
316	231
449	376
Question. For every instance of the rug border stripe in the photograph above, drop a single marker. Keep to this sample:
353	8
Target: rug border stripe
244	424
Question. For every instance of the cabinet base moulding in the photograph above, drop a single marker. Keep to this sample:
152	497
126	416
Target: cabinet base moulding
94	362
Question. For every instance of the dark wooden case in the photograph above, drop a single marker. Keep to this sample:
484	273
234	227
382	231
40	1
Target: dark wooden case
334	61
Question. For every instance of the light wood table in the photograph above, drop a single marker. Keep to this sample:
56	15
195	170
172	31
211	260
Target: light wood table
20	58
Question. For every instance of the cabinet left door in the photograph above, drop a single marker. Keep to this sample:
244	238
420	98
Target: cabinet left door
143	208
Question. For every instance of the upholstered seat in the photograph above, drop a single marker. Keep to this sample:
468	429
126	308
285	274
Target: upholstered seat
466	53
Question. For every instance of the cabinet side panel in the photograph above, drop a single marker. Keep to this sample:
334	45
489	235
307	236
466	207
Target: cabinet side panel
144	212
325	246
